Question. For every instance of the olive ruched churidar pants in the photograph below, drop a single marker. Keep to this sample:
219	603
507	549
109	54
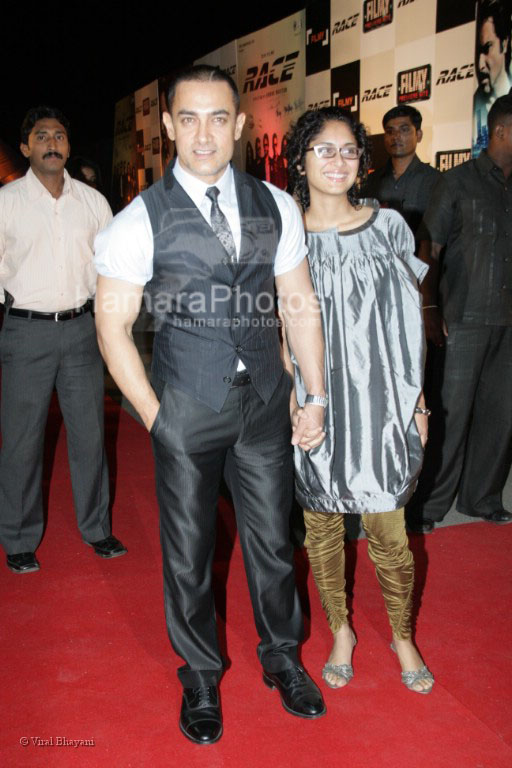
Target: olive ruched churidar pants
388	549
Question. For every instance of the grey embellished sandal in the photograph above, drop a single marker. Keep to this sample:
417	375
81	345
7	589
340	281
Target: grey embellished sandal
410	678
345	671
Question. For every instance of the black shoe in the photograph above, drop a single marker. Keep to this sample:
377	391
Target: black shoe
109	547
200	718
422	526
23	563
299	694
500	517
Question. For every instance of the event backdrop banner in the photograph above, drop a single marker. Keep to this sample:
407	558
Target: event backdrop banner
271	76
124	157
387	52
147	126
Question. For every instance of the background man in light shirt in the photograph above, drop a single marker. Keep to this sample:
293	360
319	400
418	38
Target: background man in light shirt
208	242
48	222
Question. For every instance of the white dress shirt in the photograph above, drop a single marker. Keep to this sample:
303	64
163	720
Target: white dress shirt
46	243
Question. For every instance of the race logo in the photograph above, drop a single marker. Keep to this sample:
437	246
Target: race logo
451	158
377	13
318	24
342	26
319	104
382	92
280	71
414	84
465	72
404	2
345	87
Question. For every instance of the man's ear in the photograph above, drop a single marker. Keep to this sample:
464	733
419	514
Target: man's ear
24	149
169	127
419	135
240	122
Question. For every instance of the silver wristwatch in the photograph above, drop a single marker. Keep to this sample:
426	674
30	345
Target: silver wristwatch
317	400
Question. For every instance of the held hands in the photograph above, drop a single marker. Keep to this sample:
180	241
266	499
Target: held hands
308	426
435	326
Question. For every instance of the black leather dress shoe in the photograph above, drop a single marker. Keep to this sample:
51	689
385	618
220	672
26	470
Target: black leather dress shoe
299	694
109	547
500	517
23	563
200	718
422	526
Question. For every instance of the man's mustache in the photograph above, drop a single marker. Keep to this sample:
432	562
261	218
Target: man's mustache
52	153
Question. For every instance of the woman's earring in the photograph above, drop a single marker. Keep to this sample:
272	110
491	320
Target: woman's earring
301	170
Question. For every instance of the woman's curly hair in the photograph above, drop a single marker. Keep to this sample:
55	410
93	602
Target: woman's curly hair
307	127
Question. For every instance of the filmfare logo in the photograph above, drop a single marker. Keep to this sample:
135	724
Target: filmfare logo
377	13
414	84
317	38
451	158
280	71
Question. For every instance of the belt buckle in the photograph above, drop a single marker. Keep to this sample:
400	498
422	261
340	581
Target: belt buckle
56	317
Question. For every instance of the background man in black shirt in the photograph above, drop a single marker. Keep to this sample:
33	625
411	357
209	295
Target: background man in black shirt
404	183
470	443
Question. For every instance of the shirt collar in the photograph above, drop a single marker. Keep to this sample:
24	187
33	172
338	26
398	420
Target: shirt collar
37	188
196	189
413	166
484	163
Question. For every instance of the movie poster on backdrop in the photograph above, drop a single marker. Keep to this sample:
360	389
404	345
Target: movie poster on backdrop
377	89
493	40
124	155
318	37
414	67
271	80
225	59
147	126
414	19
318	90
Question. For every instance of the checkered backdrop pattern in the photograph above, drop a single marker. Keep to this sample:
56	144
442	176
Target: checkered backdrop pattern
370	55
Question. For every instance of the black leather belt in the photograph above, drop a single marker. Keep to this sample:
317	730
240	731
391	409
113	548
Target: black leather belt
241	379
67	314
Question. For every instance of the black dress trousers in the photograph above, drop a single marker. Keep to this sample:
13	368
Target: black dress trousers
191	443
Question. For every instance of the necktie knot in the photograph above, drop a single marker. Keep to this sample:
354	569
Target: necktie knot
213	193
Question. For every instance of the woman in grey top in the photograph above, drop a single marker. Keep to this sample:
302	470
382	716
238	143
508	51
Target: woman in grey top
366	277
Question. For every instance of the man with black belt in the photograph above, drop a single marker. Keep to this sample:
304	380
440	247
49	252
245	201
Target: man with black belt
404	183
48	222
470	439
208	242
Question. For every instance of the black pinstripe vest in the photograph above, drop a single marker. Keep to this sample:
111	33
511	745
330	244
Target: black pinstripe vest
208	312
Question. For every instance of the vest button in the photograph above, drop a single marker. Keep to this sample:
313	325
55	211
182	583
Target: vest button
235	322
227	380
239	348
225	260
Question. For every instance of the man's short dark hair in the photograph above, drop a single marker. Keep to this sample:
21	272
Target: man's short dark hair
403	111
499	12
501	109
41	113
201	73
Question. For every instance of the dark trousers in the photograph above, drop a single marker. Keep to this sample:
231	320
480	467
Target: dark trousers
191	444
36	356
470	436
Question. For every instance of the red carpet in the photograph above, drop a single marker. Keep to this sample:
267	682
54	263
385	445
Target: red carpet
85	654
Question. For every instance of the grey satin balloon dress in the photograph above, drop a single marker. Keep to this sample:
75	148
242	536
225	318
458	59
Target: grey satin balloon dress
366	280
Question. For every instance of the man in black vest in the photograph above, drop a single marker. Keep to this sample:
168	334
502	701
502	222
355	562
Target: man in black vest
208	243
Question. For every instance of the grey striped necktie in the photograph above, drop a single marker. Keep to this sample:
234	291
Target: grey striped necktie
220	224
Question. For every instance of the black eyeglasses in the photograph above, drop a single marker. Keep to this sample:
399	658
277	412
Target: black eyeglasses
328	151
